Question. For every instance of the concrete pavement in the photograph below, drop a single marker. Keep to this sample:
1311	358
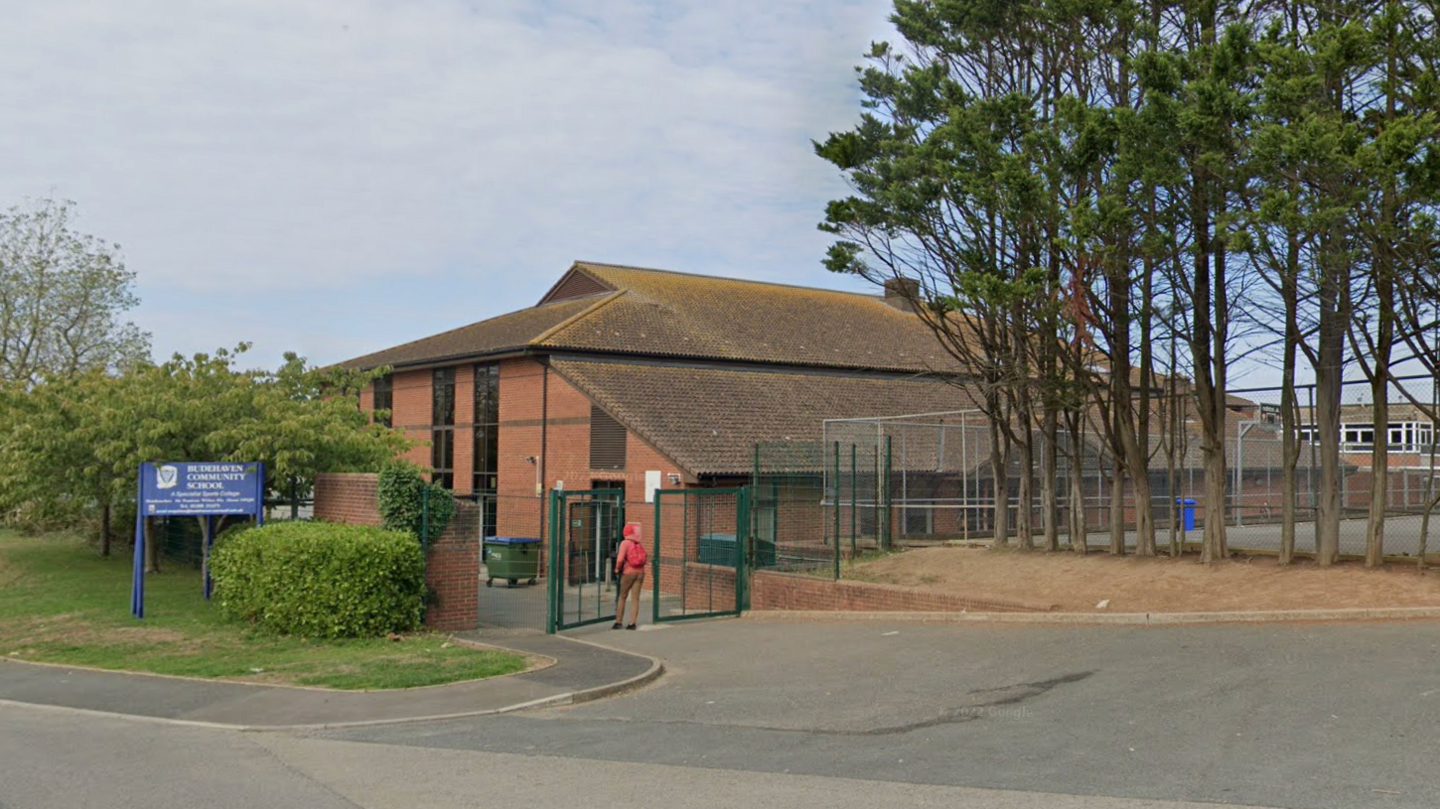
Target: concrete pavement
1340	716
50	761
776	713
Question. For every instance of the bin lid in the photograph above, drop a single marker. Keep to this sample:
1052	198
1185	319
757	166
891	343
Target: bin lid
511	540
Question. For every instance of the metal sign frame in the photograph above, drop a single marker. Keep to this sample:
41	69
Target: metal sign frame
196	489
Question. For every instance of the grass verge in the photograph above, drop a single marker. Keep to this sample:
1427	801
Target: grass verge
62	603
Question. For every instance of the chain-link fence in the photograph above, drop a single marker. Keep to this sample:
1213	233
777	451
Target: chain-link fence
871	484
789	511
1401	479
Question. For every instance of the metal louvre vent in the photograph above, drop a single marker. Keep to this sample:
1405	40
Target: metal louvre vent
607	441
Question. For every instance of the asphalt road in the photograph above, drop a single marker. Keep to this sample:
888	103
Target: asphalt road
789	714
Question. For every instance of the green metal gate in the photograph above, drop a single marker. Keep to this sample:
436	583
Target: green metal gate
584	533
701	553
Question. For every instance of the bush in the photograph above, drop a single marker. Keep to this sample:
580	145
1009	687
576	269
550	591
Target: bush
320	579
401	494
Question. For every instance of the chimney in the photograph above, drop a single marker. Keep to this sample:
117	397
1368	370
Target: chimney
902	293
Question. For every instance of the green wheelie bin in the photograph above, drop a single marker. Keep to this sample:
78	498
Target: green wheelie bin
511	559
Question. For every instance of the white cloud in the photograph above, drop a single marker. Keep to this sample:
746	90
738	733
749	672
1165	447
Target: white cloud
248	152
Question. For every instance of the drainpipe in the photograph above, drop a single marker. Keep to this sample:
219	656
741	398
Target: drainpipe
544	433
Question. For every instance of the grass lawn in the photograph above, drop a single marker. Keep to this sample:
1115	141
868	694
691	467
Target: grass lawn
60	602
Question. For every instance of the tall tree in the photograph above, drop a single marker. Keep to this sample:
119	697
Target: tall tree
63	297
82	439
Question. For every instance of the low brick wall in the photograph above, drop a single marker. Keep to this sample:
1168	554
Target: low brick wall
347	498
783	591
453	570
708	588
452	567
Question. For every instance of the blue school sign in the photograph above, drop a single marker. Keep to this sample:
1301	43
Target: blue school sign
206	490
201	489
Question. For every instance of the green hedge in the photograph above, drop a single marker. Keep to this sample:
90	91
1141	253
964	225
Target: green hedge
320	579
408	503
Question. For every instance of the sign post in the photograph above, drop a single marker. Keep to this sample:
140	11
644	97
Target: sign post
204	490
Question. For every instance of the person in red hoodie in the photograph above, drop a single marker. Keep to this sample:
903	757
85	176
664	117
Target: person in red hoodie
630	563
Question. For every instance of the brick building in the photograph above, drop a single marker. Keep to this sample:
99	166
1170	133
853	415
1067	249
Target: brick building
620	373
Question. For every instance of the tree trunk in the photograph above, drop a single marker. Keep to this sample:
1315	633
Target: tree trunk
1049	464
1077	486
1209	396
1328	374
1025	495
1289	429
1379	471
105	529
999	467
1117	506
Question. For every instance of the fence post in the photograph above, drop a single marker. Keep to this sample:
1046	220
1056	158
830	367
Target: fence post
742	567
837	510
552	575
1239	474
884	488
854	492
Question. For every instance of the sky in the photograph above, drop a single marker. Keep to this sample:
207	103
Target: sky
333	177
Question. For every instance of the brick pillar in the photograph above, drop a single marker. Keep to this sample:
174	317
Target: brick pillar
452	566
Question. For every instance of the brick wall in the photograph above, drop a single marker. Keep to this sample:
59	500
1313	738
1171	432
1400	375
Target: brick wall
708	588
536	407
346	498
452	567
412	397
782	591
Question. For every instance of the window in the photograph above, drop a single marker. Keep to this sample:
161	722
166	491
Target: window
487	443
442	427
919	520
442	413
1397	434
442	457
607	441
384	398
1353	434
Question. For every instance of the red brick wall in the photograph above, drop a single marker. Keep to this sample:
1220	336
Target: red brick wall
708	588
781	591
452	567
531	399
464	429
528	393
410	412
521	404
347	498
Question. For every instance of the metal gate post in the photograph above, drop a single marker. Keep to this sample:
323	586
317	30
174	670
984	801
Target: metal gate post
552	575
655	585
742	566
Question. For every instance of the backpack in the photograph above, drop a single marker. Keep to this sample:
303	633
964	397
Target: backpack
635	555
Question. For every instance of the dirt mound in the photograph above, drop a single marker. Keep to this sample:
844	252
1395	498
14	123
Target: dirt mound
1079	583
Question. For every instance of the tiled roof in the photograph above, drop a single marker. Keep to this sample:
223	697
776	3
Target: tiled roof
663	313
658	313
504	333
708	420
